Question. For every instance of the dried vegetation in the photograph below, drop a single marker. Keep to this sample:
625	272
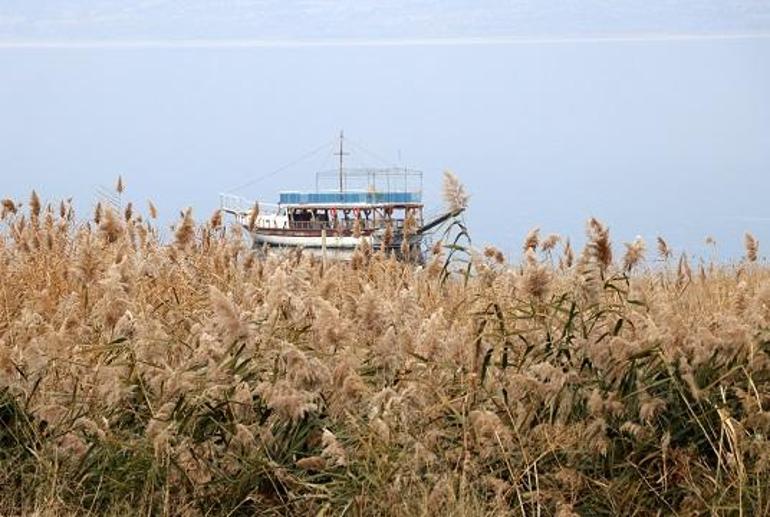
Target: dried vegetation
193	377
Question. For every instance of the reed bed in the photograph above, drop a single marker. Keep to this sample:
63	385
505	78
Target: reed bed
194	377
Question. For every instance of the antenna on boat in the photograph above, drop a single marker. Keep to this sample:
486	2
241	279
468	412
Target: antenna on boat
341	153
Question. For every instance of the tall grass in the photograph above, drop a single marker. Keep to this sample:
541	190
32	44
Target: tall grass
193	377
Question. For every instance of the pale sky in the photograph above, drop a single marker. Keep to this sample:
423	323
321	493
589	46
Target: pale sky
653	116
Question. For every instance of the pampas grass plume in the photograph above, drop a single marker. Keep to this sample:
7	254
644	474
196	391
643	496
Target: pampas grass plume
186	231
532	240
9	207
455	196
111	227
634	254
494	254
216	219
252	223
664	251
599	245
550	242
568	257
34	205
752	247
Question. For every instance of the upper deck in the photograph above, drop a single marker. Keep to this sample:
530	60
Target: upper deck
349	198
396	187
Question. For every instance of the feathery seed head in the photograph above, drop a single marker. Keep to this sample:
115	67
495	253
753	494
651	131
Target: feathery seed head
495	254
550	242
216	219
153	210
532	240
568	258
34	205
253	214
111	226
752	247
8	207
455	197
599	246
185	233
664	252
634	254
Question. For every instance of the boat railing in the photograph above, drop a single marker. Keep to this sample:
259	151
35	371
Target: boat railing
345	225
240	206
388	179
233	204
268	208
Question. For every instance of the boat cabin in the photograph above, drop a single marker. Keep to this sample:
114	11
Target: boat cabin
341	212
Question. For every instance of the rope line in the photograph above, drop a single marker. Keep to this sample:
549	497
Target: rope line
372	153
327	145
280	169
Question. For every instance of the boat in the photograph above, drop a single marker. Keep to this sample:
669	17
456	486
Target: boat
381	207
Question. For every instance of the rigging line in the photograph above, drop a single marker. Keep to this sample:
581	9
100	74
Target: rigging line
326	161
280	169
323	165
372	153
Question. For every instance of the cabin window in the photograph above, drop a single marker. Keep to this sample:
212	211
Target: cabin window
302	215
321	215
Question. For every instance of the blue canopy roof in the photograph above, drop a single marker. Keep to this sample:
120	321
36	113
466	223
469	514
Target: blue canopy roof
349	198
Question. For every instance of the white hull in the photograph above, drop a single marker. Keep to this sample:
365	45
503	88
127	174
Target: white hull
332	242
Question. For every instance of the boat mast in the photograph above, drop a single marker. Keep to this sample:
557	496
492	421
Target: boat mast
341	153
